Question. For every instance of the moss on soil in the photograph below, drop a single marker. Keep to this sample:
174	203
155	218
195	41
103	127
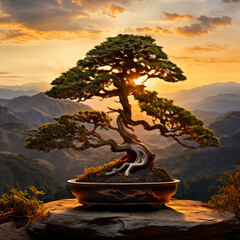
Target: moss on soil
148	173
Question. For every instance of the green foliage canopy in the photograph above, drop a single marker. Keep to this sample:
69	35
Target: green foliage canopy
117	61
109	70
174	121
67	132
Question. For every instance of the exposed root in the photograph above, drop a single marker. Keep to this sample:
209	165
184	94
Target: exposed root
142	155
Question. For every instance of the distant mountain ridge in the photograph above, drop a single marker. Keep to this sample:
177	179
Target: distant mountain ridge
197	94
6	114
40	108
182	163
207	116
200	168
37	86
220	103
232	139
9	94
67	163
3	101
43	103
35	117
226	124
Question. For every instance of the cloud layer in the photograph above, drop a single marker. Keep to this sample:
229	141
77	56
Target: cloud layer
27	20
205	61
22	20
209	47
201	25
231	1
6	75
155	30
204	25
174	17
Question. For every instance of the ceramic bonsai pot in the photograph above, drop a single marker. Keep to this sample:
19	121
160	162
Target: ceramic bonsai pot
155	194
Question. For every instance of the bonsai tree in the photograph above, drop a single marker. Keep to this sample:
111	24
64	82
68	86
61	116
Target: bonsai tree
110	70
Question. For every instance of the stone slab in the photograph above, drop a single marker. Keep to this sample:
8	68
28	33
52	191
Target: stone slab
8	231
180	219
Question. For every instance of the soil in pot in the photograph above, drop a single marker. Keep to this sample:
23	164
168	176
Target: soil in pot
148	173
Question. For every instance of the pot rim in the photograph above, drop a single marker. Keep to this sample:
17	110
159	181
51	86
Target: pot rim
73	181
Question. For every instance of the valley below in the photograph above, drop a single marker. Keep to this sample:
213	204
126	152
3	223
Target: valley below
218	105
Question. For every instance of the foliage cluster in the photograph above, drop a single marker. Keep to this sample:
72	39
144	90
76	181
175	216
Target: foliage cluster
175	121
227	197
69	131
102	71
21	207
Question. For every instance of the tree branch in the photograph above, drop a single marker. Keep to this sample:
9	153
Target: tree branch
111	93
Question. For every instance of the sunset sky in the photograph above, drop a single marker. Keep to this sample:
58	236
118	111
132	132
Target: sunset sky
39	39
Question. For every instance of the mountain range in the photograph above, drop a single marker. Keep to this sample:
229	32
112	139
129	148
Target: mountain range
9	94
198	94
32	86
195	168
27	89
200	168
226	124
220	103
37	109
30	111
47	105
20	172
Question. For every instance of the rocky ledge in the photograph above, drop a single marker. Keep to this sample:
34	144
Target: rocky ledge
180	219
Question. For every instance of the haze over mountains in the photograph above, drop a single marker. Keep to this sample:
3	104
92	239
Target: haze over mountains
199	169
220	103
35	86
216	104
38	109
198	94
9	94
28	89
24	112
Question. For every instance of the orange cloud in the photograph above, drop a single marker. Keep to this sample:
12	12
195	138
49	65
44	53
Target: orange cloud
205	60
114	9
10	76
207	48
174	17
6	75
203	26
18	33
154	30
55	19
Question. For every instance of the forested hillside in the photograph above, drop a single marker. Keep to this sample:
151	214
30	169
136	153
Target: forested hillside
20	172
198	169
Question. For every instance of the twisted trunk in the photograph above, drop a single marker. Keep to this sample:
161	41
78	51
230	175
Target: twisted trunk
139	154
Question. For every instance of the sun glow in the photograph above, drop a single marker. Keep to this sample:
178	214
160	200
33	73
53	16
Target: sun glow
140	80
